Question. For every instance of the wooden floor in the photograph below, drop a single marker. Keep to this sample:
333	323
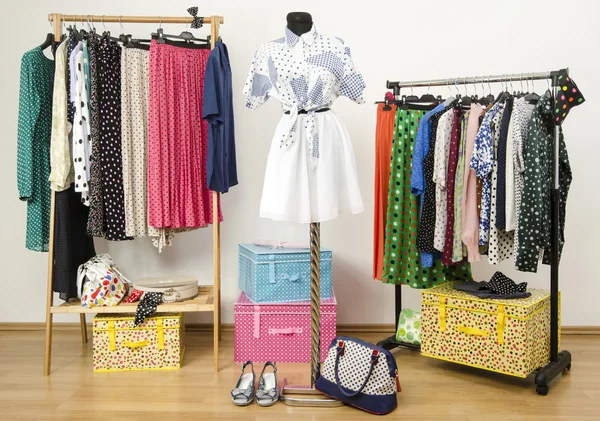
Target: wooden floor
432	390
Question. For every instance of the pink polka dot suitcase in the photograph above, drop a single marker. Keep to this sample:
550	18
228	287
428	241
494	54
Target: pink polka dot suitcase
156	344
279	331
269	275
510	336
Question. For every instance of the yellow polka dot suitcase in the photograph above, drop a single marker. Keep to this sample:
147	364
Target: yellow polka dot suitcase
509	336
156	344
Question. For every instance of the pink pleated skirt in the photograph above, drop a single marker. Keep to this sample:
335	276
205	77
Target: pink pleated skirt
178	196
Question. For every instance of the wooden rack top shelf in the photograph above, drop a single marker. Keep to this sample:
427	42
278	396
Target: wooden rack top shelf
130	19
203	302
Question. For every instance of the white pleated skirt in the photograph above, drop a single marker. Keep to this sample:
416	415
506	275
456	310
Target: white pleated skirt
296	191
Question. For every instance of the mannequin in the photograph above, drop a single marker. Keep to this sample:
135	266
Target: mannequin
309	137
299	22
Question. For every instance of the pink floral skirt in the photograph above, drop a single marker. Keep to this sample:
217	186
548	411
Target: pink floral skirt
178	196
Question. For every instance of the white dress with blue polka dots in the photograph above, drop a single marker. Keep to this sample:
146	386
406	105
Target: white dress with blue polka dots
311	171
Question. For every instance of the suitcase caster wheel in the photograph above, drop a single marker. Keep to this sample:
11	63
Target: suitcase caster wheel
568	368
542	390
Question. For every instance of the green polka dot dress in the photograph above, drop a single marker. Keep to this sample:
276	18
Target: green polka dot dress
33	145
401	261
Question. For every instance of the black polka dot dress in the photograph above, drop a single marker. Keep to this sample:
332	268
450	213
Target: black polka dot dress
427	227
500	242
534	218
96	225
109	89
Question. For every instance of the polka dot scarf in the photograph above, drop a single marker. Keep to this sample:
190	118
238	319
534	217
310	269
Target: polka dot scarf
147	307
502	285
568	97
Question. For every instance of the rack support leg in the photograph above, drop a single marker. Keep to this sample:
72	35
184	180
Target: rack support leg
82	323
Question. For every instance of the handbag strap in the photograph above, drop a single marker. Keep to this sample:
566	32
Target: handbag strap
340	351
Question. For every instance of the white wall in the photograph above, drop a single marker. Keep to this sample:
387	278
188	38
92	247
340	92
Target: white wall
390	40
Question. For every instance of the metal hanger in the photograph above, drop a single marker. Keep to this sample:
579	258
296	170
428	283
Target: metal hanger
512	88
522	91
428	97
532	97
490	97
106	34
503	90
412	96
466	99
82	32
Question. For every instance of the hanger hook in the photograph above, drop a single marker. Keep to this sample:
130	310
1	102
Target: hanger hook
532	82
465	85
121	23
429	87
160	22
102	20
521	82
448	85
411	89
532	86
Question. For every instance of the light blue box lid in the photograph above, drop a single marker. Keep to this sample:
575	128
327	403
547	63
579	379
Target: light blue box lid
256	249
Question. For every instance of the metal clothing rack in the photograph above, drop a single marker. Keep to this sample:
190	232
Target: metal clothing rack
559	361
209	297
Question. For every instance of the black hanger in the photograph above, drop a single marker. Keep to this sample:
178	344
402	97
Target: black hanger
503	96
429	98
532	98
387	107
186	36
140	44
73	32
483	101
106	35
47	42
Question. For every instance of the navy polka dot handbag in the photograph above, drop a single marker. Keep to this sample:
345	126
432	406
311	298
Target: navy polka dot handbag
360	374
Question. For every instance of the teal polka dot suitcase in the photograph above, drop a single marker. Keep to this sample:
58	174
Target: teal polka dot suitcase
281	275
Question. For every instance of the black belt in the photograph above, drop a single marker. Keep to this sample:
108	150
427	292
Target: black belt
322	110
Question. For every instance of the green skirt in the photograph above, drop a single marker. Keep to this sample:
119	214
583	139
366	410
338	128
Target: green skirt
402	261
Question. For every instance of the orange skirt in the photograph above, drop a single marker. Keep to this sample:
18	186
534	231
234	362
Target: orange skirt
384	134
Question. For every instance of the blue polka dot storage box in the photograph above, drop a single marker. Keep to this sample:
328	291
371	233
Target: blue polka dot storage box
280	275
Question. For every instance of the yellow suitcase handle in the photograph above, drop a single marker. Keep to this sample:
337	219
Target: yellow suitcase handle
501	321
113	337
472	331
133	345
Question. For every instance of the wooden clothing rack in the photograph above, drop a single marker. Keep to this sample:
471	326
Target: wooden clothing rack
209	297
559	361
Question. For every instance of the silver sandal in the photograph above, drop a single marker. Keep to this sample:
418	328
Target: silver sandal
267	393
243	392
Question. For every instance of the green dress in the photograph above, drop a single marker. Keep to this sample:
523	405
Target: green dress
33	145
401	261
